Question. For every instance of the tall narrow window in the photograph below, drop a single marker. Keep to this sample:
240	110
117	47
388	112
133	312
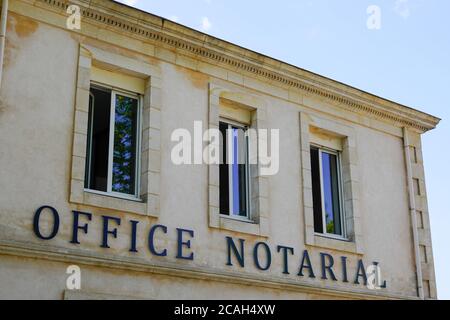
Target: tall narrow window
112	162
234	171
326	185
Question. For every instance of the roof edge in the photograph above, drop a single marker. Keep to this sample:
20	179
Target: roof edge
185	40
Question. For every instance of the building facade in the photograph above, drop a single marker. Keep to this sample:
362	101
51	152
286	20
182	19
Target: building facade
103	197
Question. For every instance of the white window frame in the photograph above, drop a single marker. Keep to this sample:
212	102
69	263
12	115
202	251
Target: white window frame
109	192
230	155
343	235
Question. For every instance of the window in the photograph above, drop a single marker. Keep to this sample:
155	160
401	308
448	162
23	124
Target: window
319	135
122	176
247	210
234	170
113	142
327	194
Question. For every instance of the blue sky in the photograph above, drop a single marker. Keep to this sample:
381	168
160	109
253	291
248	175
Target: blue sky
407	60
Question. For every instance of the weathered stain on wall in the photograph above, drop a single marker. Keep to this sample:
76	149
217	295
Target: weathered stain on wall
198	79
18	29
114	49
24	27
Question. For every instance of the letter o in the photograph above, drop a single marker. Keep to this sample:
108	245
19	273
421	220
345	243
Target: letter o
255	256
36	220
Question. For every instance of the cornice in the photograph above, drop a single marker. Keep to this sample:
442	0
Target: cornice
162	32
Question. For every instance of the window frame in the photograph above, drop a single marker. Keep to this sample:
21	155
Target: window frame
221	95
336	130
337	153
138	151
139	77
248	218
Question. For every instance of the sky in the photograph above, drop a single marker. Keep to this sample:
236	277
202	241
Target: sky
399	50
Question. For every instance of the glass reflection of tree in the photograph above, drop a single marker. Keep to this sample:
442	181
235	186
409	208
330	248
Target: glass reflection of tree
124	145
329	184
330	223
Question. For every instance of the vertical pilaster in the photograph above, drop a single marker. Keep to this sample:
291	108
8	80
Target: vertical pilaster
419	216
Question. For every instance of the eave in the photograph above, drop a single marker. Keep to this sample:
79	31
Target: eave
161	32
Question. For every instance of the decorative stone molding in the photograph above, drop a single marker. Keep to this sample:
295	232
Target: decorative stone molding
88	295
150	153
150	28
350	182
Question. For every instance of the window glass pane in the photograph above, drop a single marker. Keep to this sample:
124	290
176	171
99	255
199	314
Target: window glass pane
125	144
331	193
87	173
244	175
233	170
223	173
98	140
239	180
317	197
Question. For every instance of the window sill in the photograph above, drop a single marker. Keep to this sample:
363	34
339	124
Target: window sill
240	225
238	218
335	243
332	237
112	202
114	195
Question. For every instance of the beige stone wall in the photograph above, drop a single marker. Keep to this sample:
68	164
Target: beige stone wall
106	284
37	119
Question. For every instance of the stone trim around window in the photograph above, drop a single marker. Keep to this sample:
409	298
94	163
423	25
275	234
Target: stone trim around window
354	239
150	154
259	222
